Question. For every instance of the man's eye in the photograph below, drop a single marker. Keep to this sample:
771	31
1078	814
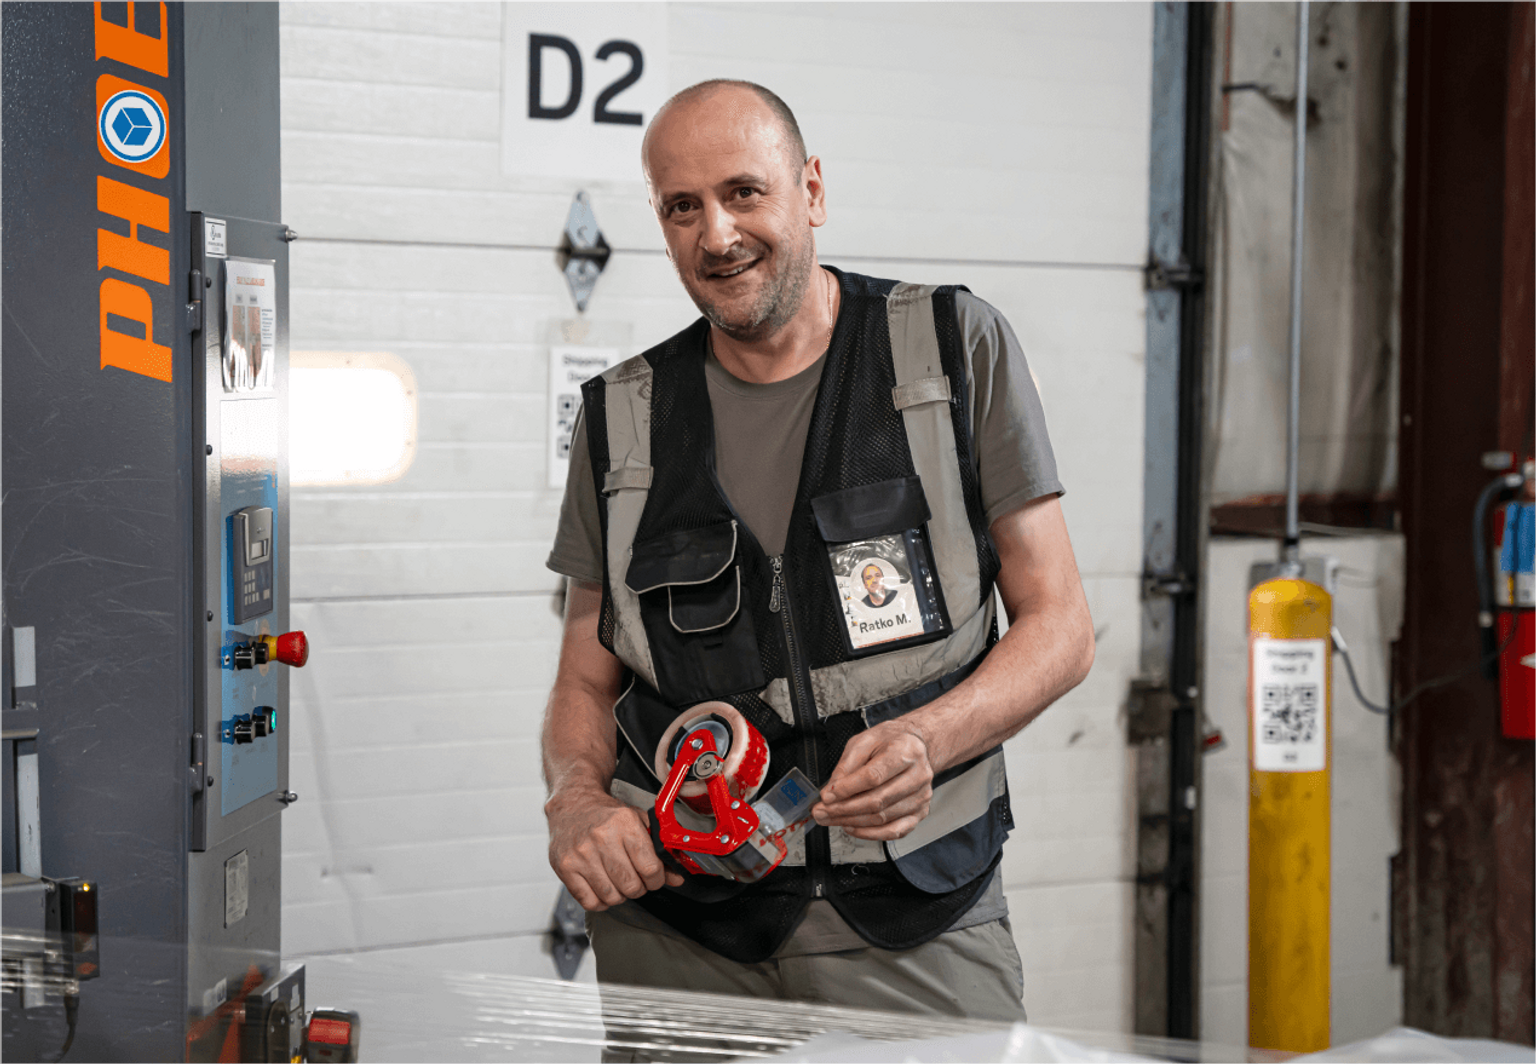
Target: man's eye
745	193
679	208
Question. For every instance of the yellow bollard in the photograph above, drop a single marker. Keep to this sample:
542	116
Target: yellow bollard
1290	745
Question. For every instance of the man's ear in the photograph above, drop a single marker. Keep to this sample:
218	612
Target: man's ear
815	191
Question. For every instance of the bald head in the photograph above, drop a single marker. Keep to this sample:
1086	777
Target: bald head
733	97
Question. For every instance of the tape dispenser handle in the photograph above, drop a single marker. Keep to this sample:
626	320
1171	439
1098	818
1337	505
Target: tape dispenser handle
734	819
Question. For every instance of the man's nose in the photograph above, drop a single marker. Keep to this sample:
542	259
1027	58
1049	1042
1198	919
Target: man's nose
719	235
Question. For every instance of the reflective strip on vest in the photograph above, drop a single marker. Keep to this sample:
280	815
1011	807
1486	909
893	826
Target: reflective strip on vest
955	804
927	390
627	405
626	477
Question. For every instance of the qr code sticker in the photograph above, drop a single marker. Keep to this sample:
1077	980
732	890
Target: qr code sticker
1289	713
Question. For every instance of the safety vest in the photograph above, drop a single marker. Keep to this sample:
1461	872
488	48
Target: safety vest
881	601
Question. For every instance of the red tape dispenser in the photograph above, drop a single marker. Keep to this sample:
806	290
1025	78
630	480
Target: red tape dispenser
714	762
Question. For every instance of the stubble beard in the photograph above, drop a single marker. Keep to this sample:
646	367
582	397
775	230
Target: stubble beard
777	301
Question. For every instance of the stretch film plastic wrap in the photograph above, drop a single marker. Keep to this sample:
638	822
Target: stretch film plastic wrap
424	1003
482	1016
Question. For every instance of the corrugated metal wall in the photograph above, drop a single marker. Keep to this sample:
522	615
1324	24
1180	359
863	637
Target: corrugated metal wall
1003	147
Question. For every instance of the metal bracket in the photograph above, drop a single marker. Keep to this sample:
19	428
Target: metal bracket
26	780
1172	585
583	251
569	933
195	301
199	763
1149	711
1158	275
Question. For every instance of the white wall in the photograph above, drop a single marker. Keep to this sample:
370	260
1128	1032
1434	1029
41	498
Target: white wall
1367	609
999	146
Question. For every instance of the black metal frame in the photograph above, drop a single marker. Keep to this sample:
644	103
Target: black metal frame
1184	670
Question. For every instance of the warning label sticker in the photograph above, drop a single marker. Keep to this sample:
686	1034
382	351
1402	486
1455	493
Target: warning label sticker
1290	704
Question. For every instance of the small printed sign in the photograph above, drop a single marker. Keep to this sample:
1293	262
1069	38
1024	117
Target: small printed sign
569	368
1290	704
250	324
215	996
214	246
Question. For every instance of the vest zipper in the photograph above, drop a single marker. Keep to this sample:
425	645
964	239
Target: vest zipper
818	851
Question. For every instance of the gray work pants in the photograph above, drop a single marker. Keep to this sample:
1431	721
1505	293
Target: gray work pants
971	973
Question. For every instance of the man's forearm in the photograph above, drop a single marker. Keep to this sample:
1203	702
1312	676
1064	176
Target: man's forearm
579	740
1046	651
599	847
1040	658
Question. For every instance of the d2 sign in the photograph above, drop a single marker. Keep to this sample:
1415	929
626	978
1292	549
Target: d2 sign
580	82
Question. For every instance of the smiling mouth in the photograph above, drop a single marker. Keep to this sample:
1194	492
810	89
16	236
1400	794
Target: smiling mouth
733	271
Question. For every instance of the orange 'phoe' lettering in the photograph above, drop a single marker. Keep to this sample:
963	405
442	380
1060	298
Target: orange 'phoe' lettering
127	45
129	253
141	356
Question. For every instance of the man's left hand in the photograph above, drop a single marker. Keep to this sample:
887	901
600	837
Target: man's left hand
881	788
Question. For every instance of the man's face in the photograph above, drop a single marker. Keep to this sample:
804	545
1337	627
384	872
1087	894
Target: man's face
736	212
874	580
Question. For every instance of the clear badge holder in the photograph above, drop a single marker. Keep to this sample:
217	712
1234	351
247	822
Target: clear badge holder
887	589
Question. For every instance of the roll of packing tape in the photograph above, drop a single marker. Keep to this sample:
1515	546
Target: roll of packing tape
745	757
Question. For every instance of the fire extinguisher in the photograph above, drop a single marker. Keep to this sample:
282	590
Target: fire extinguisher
1515	601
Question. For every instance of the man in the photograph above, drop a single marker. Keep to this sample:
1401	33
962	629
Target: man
808	411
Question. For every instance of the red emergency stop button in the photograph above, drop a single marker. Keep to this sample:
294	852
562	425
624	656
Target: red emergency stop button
291	648
330	1031
332	1035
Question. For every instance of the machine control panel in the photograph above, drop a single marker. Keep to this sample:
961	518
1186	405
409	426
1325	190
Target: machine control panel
252	568
239	267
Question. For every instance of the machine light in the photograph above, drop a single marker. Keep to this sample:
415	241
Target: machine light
352	417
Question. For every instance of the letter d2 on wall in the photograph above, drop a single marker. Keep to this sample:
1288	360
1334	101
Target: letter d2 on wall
537	42
580	82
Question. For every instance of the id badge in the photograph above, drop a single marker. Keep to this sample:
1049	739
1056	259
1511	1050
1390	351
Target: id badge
886	585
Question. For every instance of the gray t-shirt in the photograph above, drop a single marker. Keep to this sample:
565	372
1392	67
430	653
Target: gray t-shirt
760	434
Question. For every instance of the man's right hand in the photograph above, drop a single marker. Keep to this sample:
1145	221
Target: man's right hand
602	851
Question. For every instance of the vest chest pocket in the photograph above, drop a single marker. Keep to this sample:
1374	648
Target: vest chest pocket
881	565
702	639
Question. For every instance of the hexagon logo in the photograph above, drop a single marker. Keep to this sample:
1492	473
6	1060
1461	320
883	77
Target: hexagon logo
132	126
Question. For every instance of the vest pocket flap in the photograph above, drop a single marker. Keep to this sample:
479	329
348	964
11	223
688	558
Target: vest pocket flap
880	509
696	556
701	607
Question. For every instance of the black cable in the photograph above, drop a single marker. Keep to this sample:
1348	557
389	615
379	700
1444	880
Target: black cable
1487	661
1428	685
71	1017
